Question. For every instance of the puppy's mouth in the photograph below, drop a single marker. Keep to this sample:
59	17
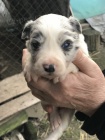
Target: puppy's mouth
50	75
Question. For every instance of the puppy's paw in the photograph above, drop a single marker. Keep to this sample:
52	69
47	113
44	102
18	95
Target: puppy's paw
62	78
59	79
75	70
56	80
72	68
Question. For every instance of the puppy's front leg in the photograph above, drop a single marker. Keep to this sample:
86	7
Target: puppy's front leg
70	69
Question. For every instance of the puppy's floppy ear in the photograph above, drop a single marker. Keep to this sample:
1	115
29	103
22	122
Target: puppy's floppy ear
75	25
27	29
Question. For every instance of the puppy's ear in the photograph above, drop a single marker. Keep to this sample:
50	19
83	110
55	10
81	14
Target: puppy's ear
75	25
27	29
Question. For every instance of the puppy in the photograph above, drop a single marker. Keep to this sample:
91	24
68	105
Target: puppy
53	42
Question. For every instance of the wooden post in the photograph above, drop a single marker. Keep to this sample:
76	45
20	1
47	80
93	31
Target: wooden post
12	123
92	38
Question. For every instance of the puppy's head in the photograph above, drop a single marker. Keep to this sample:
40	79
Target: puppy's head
52	41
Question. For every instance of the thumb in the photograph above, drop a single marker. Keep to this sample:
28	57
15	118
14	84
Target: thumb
86	64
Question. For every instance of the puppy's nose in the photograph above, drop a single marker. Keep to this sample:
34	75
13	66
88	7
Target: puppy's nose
49	68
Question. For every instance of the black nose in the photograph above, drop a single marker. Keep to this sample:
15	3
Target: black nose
49	68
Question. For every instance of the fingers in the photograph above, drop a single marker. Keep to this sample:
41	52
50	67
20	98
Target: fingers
86	65
42	84
37	93
48	108
40	93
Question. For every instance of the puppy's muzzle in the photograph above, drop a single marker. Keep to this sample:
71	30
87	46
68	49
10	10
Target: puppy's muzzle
49	68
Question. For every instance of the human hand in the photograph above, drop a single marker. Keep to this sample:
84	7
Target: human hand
84	91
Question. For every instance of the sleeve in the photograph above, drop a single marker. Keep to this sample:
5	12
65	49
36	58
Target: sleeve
94	124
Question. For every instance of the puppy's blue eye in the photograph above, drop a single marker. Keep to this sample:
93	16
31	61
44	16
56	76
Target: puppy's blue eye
35	45
67	45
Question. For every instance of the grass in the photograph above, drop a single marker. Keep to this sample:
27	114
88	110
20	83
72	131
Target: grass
73	132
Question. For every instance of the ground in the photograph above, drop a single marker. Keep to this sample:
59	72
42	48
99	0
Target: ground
72	133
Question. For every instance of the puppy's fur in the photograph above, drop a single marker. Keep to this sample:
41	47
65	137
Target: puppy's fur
52	43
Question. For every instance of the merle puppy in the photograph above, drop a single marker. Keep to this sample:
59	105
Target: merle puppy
52	42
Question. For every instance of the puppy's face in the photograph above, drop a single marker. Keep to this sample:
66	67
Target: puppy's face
53	41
